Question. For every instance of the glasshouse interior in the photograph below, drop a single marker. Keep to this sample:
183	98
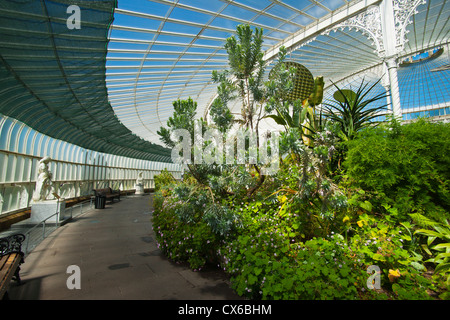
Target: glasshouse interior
225	149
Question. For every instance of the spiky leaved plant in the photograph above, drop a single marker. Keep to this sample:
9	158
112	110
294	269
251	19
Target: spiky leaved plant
353	110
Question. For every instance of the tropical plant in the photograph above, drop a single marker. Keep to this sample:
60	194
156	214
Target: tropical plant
242	80
183	118
353	110
294	109
436	230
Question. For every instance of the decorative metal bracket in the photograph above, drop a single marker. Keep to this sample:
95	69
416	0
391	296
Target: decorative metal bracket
403	11
367	22
370	24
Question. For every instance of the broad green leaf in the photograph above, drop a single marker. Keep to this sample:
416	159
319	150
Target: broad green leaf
344	94
406	237
442	246
418	266
378	257
252	279
443	255
425	247
278	119
443	267
430	240
429	233
366	205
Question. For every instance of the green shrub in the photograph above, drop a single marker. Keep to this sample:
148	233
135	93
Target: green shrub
191	242
165	178
268	266
406	167
266	259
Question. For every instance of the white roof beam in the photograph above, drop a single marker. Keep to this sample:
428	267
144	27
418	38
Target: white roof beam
320	26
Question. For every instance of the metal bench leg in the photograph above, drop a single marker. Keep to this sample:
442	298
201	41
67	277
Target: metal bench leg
17	276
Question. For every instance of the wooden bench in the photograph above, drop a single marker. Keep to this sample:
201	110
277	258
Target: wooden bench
11	257
108	193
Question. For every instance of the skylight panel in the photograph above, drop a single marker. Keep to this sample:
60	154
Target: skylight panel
143	6
316	11
242	13
181	39
218	43
226	23
124	34
175	27
126	45
257	4
190	15
136	22
298	4
332	4
216	33
302	20
212	5
264	20
289	28
281	12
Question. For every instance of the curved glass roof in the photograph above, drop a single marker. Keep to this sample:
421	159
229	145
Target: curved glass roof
109	86
52	77
163	50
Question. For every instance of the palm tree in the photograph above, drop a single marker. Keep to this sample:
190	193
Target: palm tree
351	109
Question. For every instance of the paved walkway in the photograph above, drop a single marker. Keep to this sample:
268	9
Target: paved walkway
116	252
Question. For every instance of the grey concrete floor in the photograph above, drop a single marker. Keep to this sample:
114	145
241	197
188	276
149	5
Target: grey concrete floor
117	256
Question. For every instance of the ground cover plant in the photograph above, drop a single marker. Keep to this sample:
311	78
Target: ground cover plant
353	212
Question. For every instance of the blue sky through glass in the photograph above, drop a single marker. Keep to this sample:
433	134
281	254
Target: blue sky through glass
164	50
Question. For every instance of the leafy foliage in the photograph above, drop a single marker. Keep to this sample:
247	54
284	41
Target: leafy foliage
182	241
293	114
267	262
440	231
312	230
353	110
246	68
183	118
165	178
405	166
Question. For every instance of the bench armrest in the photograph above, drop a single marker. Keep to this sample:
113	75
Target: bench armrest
11	244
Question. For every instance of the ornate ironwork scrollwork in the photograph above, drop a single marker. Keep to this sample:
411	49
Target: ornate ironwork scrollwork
11	244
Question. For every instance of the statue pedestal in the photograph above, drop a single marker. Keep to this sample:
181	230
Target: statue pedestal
139	189
44	209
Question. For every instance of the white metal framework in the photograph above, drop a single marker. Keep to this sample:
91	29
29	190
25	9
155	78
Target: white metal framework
163	50
76	171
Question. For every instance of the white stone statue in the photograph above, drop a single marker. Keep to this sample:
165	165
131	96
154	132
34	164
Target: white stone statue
44	184
140	179
139	184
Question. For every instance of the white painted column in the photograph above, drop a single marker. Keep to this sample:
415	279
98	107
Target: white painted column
391	50
391	64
